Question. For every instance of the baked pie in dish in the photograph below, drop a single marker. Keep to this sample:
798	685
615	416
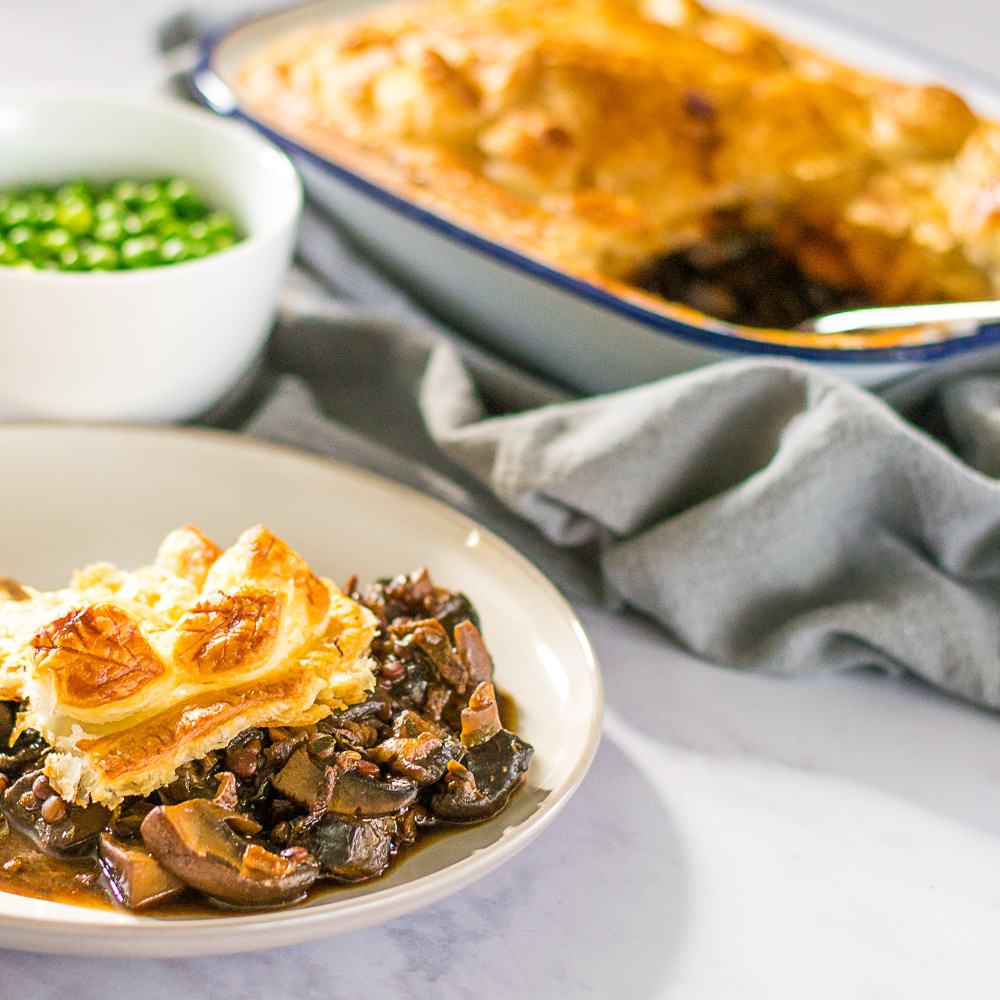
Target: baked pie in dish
652	146
229	726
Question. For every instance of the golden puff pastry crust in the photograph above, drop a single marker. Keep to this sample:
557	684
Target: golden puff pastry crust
130	675
597	134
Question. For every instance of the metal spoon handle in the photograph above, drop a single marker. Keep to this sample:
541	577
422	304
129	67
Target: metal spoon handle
960	319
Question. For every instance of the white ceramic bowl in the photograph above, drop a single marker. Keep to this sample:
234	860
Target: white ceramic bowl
160	343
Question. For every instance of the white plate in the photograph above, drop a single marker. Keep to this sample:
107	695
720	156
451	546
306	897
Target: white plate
75	494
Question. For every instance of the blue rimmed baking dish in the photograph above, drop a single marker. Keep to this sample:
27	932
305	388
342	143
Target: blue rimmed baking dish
593	335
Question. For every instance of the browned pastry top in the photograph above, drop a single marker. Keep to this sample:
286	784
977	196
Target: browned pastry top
130	675
598	134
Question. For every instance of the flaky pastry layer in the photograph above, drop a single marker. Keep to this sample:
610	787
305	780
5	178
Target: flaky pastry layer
130	675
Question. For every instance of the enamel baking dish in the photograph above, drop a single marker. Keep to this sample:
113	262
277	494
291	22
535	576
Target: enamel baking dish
591	336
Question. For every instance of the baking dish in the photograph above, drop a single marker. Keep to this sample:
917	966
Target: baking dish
591	334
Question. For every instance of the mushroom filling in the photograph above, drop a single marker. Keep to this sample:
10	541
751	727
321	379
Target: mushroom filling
282	810
749	277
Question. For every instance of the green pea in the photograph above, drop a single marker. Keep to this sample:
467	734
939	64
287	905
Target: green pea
198	230
154	215
140	251
132	224
125	192
173	250
109	231
45	214
197	248
72	191
18	213
55	240
33	248
148	193
217	223
183	197
20	236
8	255
171	227
108	208
223	241
100	257
70	259
75	215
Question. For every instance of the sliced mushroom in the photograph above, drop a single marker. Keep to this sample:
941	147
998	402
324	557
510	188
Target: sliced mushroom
302	780
355	794
351	850
422	758
481	785
193	841
481	720
137	879
228	798
473	653
74	832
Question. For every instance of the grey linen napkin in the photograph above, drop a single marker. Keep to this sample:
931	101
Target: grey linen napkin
770	516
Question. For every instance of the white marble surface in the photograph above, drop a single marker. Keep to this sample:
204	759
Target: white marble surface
738	837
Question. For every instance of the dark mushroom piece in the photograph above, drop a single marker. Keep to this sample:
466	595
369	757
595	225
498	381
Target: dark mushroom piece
451	608
412	686
440	704
421	758
194	780
194	842
429	636
136	878
8	715
480	786
27	751
55	826
361	712
351	850
301	780
355	735
357	795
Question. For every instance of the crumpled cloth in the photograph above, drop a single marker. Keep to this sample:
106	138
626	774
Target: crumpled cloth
769	515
